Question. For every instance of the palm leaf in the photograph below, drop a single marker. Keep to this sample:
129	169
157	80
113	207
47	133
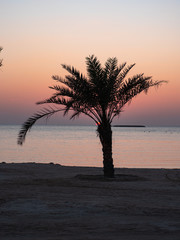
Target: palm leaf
94	70
44	113
54	100
132	88
124	73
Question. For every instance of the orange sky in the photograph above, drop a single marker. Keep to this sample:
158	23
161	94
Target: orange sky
37	36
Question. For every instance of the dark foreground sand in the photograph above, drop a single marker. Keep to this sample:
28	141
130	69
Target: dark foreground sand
48	201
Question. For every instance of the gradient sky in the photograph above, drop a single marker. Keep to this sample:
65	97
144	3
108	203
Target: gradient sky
38	35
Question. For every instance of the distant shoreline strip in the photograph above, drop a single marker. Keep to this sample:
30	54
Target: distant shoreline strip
129	126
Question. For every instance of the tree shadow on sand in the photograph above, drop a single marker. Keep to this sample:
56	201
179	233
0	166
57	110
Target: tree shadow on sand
117	178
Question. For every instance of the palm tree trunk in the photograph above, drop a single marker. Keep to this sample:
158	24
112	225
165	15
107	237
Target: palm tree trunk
105	135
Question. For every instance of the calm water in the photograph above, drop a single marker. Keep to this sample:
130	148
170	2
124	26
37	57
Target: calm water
80	146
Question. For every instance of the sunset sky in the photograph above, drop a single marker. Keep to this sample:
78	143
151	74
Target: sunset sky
38	35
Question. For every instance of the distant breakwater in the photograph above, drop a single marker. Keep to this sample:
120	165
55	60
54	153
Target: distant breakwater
129	126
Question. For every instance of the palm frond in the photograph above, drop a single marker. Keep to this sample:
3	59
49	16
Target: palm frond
72	71
74	115
80	89
54	100
124	73
62	91
132	88
94	70
110	65
75	82
111	71
44	113
58	79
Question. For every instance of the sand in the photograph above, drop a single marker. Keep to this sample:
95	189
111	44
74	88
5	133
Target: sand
50	201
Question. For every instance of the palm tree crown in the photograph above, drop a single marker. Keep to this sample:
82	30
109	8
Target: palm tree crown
101	95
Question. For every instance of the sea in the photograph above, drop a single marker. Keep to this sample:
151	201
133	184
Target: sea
133	147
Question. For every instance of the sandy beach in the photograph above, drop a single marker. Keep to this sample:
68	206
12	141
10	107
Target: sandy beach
50	201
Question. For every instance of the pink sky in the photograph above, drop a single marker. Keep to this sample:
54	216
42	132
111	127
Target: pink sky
37	36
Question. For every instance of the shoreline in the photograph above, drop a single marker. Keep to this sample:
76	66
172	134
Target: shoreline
50	201
75	166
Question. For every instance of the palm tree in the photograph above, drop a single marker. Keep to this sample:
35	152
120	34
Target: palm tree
100	96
